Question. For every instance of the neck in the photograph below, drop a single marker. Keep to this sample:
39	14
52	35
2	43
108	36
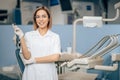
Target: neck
43	31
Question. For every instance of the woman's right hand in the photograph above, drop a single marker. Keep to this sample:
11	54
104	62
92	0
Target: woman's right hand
18	31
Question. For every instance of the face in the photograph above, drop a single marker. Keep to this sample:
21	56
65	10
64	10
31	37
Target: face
42	19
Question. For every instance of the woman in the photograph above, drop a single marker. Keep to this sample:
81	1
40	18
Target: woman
41	47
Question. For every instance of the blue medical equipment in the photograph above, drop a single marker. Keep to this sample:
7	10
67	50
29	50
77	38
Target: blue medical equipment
17	53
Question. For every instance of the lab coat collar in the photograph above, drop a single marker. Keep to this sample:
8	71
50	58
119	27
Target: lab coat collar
46	35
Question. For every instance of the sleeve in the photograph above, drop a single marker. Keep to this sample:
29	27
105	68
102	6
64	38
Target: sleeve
57	45
27	40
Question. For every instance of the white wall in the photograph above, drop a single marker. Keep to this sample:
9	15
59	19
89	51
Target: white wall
57	16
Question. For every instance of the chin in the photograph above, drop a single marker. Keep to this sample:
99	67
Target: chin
43	27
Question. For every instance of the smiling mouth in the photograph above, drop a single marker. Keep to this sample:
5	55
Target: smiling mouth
40	23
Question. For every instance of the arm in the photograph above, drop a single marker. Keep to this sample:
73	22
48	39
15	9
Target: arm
47	59
25	51
20	33
55	55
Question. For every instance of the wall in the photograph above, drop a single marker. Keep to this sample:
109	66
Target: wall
86	38
57	16
7	47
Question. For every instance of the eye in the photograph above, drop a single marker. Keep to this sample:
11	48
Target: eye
44	16
37	16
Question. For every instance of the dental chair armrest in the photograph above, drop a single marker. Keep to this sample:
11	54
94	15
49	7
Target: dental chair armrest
107	68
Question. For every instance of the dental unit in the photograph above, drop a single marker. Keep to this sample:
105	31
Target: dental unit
92	58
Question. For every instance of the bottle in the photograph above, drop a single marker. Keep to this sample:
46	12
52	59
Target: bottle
69	48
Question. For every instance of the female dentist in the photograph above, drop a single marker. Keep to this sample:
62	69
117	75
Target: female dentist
41	47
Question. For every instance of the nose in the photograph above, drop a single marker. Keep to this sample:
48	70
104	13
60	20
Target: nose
40	18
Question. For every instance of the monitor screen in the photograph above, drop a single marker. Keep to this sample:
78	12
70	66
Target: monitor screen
66	6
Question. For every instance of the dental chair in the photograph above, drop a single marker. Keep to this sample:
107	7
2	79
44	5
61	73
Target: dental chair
18	57
94	55
92	59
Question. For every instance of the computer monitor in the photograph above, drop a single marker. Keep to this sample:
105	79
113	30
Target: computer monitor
66	6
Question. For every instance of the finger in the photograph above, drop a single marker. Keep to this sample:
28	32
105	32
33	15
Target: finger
14	26
17	29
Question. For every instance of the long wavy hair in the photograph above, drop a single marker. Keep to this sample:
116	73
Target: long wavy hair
49	16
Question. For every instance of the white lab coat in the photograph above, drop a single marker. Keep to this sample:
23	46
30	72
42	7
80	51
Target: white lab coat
41	46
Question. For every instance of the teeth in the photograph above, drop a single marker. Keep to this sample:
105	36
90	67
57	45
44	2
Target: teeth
41	23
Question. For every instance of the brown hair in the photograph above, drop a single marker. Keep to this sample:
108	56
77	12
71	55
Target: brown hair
49	16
